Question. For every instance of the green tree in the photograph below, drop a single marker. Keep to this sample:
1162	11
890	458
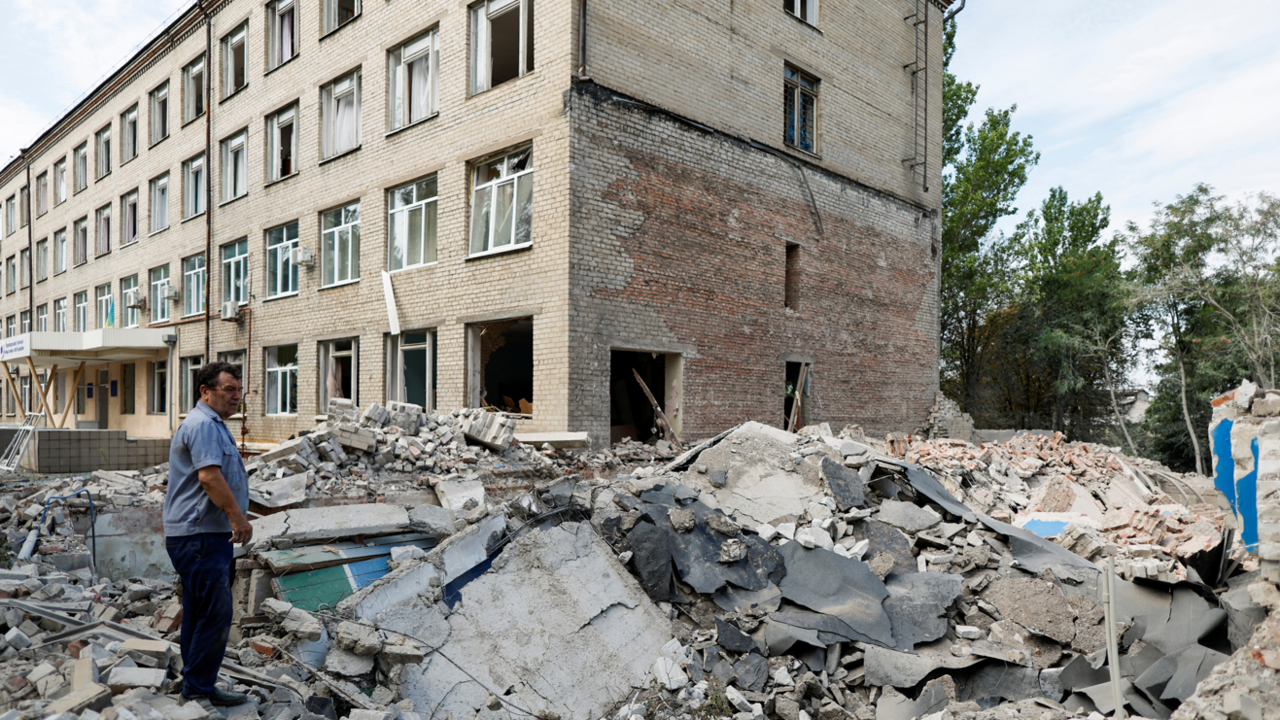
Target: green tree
984	168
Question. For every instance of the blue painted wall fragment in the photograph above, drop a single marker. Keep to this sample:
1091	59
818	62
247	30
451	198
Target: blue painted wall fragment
1242	494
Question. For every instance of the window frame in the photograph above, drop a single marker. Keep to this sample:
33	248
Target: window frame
284	117
158	278
129	134
102	222
42	260
105	316
42	193
235	272
275	46
60	315
238	36
102	153
797	85
80	242
505	176
60	182
332	95
132	315
129	218
805	11
42	317
278	261
187	368
11	215
24	268
158	184
59	251
80	167
80	308
332	236
235	172
429	214
157	387
327	351
194	193
195	98
399	71
194	277
158	113
481	60
281	382
329	22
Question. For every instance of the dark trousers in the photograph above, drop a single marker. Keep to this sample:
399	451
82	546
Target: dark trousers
204	563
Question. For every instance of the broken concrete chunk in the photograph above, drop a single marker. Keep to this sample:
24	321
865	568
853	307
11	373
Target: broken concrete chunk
668	674
682	520
433	520
460	495
358	638
732	550
491	430
293	620
342	662
907	517
722	524
124	678
1034	604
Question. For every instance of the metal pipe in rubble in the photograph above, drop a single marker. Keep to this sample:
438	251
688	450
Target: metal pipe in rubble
1113	645
29	545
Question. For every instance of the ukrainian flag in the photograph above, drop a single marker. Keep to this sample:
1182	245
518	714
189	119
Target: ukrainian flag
111	311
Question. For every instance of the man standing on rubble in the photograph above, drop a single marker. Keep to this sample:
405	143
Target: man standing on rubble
204	515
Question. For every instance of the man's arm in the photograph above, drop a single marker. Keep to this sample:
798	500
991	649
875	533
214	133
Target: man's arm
215	485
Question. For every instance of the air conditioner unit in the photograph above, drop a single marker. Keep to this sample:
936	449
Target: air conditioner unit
135	300
170	293
302	256
231	310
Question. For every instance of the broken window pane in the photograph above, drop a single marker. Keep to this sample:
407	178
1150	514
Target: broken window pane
502	204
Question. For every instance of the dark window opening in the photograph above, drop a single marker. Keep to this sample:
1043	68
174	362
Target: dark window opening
791	290
506	365
504	46
346	10
128	388
796	389
286	150
630	412
528	40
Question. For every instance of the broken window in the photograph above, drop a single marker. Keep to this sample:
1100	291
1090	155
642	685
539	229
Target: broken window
132	301
188	396
282	273
412	225
233	357
631	414
193	285
160	203
412	76
501	42
233	60
340	246
338	368
235	171
160	113
340	114
806	10
129	134
282	138
795	395
339	12
128	388
105	306
411	367
282	42
800	108
102	151
158	392
500	361
193	91
282	380
235	272
502	203
129	218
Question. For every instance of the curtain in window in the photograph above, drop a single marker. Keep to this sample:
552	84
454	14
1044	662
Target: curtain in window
286	35
345	125
419	92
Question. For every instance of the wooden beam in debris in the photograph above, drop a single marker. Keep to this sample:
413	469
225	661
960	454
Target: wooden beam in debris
22	407
71	394
663	423
44	405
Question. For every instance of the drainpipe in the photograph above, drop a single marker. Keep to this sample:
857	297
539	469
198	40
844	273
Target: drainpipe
582	41
949	16
208	173
31	249
171	341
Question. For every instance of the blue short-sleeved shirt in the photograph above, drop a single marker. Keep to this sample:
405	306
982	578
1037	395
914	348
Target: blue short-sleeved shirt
201	441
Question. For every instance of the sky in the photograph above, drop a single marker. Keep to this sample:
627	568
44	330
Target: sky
1136	99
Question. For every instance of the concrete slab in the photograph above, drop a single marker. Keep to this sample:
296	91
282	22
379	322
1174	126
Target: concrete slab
323	523
455	494
757	488
131	544
582	636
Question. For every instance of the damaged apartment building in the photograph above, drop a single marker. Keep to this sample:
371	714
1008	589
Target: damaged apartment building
510	204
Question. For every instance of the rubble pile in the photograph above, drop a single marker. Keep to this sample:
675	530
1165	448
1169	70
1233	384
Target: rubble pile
760	574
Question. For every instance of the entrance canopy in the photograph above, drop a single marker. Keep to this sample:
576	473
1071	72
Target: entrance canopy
92	348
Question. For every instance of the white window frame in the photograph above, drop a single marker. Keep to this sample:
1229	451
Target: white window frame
129	291
81	166
328	351
482	14
279	264
60	315
42	260
104	304
158	387
42	318
333	97
187	395
276	150
420	199
159	218
159	112
80	241
193	279
235	166
11	275
235	42
331	20
282	32
102	152
194	178
129	218
194	99
235	272
129	134
159	279
413	97
798	86
60	182
281	382
103	222
60	251
806	10
11	215
24	268
397	346
81	305
42	193
482	215
339	241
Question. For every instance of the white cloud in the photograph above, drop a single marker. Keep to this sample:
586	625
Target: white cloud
61	49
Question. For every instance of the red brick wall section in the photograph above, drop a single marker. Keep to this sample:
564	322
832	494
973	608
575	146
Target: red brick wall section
679	245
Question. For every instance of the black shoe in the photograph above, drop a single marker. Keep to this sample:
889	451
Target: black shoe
204	702
227	698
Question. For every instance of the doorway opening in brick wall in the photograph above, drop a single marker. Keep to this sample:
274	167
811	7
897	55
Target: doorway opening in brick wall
795	395
500	365
630	412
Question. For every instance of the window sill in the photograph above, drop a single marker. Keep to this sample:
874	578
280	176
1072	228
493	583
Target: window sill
413	124
806	153
152	145
185	123
77	192
104	175
192	217
128	244
503	84
803	22
101	254
286	62
281	296
60	272
337	29
279	180
82	262
500	251
234	93
280	415
192	315
344	283
153	233
340	155
126	161
228	202
407	268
